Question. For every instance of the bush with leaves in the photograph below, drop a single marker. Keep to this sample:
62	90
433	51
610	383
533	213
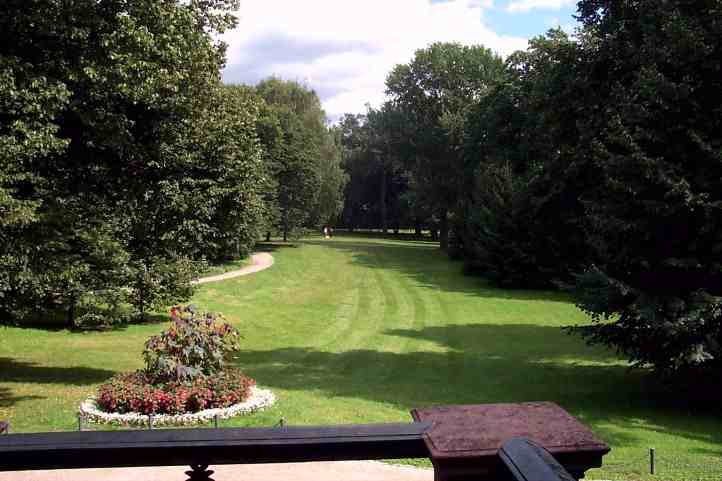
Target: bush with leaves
196	344
186	369
156	283
135	392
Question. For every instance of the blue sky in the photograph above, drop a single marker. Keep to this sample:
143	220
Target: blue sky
531	22
344	49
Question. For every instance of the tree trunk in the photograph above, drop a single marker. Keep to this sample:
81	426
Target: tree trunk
142	305
417	227
71	314
285	227
382	200
268	236
444	230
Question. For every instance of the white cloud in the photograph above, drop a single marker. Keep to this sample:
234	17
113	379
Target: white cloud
516	6
344	49
568	27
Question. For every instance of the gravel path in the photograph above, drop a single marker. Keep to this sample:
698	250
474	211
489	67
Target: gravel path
261	261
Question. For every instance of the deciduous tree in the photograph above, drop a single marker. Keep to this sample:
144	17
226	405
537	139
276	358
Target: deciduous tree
435	91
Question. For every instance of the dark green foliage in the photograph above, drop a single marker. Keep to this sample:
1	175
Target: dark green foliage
118	149
157	282
499	244
357	163
212	206
332	178
655	214
525	219
379	192
435	91
302	158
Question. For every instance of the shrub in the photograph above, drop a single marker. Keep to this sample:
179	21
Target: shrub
156	283
196	344
135	392
186	370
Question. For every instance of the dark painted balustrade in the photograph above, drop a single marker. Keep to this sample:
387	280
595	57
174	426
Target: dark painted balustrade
464	442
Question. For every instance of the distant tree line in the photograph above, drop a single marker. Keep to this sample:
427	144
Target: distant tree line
126	164
591	163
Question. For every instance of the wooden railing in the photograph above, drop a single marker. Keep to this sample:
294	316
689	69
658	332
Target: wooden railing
204	447
201	448
457	453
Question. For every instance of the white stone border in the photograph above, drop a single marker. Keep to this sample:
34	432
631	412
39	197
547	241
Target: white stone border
259	399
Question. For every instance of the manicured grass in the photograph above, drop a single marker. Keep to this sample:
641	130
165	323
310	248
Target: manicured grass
361	330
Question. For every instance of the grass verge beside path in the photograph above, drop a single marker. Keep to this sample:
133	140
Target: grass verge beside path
227	266
361	330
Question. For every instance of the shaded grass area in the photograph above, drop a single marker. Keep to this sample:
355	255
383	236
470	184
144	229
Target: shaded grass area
355	329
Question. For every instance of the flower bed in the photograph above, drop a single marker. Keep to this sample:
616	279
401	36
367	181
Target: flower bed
258	399
135	392
188	377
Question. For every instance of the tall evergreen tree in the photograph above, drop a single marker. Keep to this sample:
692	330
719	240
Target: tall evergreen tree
654	136
524	219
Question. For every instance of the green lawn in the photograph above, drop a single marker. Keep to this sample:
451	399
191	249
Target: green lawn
361	330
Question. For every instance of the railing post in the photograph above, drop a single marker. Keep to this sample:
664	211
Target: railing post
199	472
459	453
527	461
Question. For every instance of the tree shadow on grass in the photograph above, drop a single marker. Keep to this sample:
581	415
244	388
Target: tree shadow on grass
12	370
404	236
7	399
511	363
427	266
273	246
53	324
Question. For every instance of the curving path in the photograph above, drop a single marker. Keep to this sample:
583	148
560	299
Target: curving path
261	261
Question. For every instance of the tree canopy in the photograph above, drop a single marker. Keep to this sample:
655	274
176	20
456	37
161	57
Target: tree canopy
435	91
303	158
122	158
590	163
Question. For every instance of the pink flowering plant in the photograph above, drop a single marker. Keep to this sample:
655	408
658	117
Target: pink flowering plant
186	369
132	392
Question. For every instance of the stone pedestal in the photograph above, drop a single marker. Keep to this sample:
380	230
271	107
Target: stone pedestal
464	440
